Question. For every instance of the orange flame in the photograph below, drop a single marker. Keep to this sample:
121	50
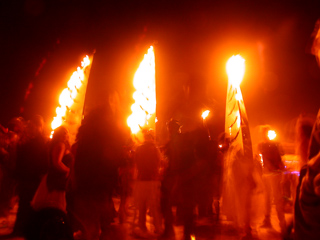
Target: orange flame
145	95
272	134
235	70
205	114
69	94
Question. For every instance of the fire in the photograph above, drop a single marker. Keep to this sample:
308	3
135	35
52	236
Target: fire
193	237
145	95
235	70
205	114
271	134
69	94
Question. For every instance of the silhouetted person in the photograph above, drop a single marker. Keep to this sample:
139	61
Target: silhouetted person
98	156
178	181
31	165
272	177
50	218
147	188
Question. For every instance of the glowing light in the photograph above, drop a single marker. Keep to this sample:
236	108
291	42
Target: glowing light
238	119
205	114
272	134
145	95
220	145
69	94
235	70
261	159
193	237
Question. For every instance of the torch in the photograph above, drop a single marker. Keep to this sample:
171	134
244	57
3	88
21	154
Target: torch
204	115
236	120
71	101
144	107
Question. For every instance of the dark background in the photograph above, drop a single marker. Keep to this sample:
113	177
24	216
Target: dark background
42	43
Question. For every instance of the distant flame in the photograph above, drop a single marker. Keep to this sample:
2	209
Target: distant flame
193	237
272	134
205	114
68	95
235	70
261	159
145	94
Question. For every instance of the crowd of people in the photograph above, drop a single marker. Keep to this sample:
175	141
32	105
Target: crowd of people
66	191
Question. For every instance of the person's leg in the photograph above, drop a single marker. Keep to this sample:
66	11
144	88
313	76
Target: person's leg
278	200
267	195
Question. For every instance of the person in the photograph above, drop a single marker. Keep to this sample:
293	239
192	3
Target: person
31	166
10	137
98	157
147	190
178	185
272	178
306	210
49	202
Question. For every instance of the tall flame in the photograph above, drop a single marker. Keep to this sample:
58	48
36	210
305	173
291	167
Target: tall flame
145	95
69	95
236	121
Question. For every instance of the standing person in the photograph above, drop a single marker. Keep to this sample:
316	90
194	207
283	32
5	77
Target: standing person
147	160
272	178
179	179
307	210
31	166
98	157
50	219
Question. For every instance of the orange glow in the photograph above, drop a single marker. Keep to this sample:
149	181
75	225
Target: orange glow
145	95
193	237
261	159
235	70
272	134
205	114
69	94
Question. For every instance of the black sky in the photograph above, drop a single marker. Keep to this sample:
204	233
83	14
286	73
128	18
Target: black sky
192	39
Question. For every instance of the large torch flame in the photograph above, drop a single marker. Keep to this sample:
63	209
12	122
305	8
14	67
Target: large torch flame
235	70
68	95
145	94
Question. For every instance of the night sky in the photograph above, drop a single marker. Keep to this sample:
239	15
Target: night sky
42	43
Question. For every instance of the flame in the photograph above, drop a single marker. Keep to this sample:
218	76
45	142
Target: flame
193	237
145	95
261	159
205	114
271	134
235	70
69	94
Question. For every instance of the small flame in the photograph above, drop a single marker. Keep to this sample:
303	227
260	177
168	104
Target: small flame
272	134
145	94
205	114
261	159
67	96
220	145
235	70
193	237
